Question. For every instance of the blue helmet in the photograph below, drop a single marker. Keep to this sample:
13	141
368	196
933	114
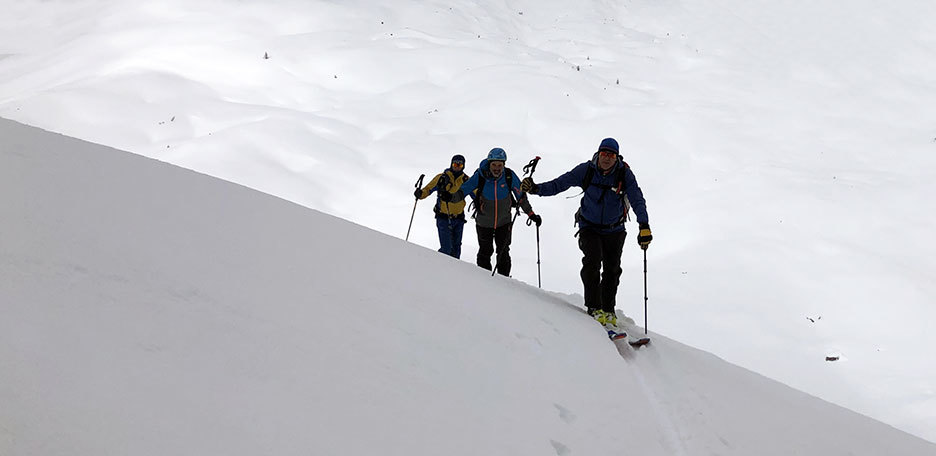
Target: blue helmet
497	154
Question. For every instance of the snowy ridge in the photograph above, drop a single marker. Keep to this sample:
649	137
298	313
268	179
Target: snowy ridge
781	145
152	310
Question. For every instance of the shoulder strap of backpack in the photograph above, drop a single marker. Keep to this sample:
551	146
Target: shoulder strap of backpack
509	178
622	173
619	179
589	174
443	180
618	185
475	205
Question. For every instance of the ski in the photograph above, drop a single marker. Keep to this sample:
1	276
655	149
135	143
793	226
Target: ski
638	342
614	333
633	340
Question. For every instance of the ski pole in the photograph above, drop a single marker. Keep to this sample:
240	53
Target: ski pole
528	168
531	167
441	185
418	185
645	291
539	276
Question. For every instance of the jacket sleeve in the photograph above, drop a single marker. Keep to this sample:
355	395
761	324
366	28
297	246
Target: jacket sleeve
635	196
456	185
431	186
466	188
564	182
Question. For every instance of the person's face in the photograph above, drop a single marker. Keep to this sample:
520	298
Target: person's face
458	166
497	167
606	160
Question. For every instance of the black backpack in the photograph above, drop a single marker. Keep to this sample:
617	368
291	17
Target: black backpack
443	182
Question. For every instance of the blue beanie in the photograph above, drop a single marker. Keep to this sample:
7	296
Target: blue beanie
497	154
609	144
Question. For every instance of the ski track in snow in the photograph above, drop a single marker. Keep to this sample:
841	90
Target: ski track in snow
674	441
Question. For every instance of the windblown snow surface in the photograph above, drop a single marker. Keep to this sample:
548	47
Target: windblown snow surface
149	309
787	151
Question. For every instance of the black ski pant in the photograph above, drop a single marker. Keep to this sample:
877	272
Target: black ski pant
601	251
487	237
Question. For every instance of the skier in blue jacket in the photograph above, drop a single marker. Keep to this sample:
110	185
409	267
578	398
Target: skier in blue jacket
496	191
608	186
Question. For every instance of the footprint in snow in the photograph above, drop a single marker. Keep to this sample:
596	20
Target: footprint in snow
561	449
565	414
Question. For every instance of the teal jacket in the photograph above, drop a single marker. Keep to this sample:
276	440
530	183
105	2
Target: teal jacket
493	203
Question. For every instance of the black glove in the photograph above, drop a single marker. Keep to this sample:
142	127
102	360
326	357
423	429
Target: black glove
644	237
445	196
443	182
536	219
418	193
527	185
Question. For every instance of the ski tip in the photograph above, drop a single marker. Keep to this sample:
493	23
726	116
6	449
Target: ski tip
639	342
618	336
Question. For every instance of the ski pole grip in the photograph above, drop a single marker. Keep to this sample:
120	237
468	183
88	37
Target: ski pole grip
419	182
531	167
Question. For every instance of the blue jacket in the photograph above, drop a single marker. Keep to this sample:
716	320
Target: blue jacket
493	202
601	207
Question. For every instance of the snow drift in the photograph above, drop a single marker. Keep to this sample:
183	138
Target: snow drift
151	310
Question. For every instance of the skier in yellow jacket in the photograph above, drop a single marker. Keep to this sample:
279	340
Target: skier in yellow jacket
450	216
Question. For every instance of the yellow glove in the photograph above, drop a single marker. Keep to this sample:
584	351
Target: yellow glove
644	237
528	186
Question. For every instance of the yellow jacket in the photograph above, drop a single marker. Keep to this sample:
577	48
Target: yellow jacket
443	209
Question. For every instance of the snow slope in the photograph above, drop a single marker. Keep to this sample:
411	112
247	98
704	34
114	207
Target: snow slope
786	148
149	309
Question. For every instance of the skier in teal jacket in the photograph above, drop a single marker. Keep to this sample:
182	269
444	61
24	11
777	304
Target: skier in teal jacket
496	191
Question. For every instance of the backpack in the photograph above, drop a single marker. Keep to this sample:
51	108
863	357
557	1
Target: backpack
508	176
443	182
617	186
481	181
